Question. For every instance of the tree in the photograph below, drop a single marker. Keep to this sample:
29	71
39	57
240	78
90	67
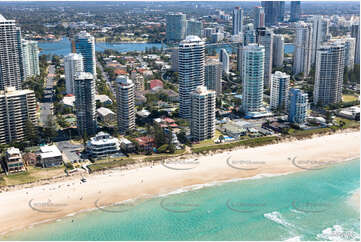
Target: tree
50	128
31	133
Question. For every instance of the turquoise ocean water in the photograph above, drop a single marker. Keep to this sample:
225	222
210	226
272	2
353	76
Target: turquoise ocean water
312	205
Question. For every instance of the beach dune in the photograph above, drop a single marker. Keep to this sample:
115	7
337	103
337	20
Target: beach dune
24	207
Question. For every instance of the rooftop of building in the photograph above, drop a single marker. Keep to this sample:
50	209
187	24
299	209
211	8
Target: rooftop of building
11	91
83	76
104	111
48	151
13	151
102	138
124	80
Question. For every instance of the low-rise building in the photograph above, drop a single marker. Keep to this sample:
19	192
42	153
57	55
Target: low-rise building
126	145
50	156
146	143
106	115
14	160
102	145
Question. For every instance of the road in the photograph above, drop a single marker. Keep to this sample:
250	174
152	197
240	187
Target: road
70	150
106	77
46	106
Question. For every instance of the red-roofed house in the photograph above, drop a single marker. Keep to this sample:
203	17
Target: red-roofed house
120	72
145	143
156	84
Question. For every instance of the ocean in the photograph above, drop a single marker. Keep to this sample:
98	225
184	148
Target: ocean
310	205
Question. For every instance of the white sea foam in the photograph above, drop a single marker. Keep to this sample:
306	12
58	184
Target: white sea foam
296	238
216	183
338	233
276	217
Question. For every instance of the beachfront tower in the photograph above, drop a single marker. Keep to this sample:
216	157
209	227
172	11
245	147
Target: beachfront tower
191	67
203	122
126	104
84	90
252	78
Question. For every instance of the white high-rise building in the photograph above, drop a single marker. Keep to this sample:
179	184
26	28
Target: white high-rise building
303	49
265	38
73	63
252	78
279	90
30	56
85	45
191	63
278	50
203	122
84	90
126	104
16	108
329	74
224	59
213	76
10	55
237	21
319	36
350	46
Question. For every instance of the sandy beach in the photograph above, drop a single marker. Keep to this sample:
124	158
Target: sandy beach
24	207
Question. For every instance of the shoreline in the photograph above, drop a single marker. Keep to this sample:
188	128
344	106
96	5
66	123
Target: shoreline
156	180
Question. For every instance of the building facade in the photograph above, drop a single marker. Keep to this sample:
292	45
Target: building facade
30	58
279	91
85	45
176	27
73	63
224	59
203	122
329	74
265	38
252	77
10	55
355	33
126	104
303	49
295	11
319	35
102	145
278	50
350	44
213	76
16	108
14	160
191	67
237	21
298	105
84	91
194	27
274	12
259	18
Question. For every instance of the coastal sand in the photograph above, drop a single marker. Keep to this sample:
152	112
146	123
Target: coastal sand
71	196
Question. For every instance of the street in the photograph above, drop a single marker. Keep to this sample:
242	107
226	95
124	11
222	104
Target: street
46	107
106	77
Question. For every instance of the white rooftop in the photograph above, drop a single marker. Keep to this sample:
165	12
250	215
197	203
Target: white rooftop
104	111
2	18
83	76
12	150
122	79
48	151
